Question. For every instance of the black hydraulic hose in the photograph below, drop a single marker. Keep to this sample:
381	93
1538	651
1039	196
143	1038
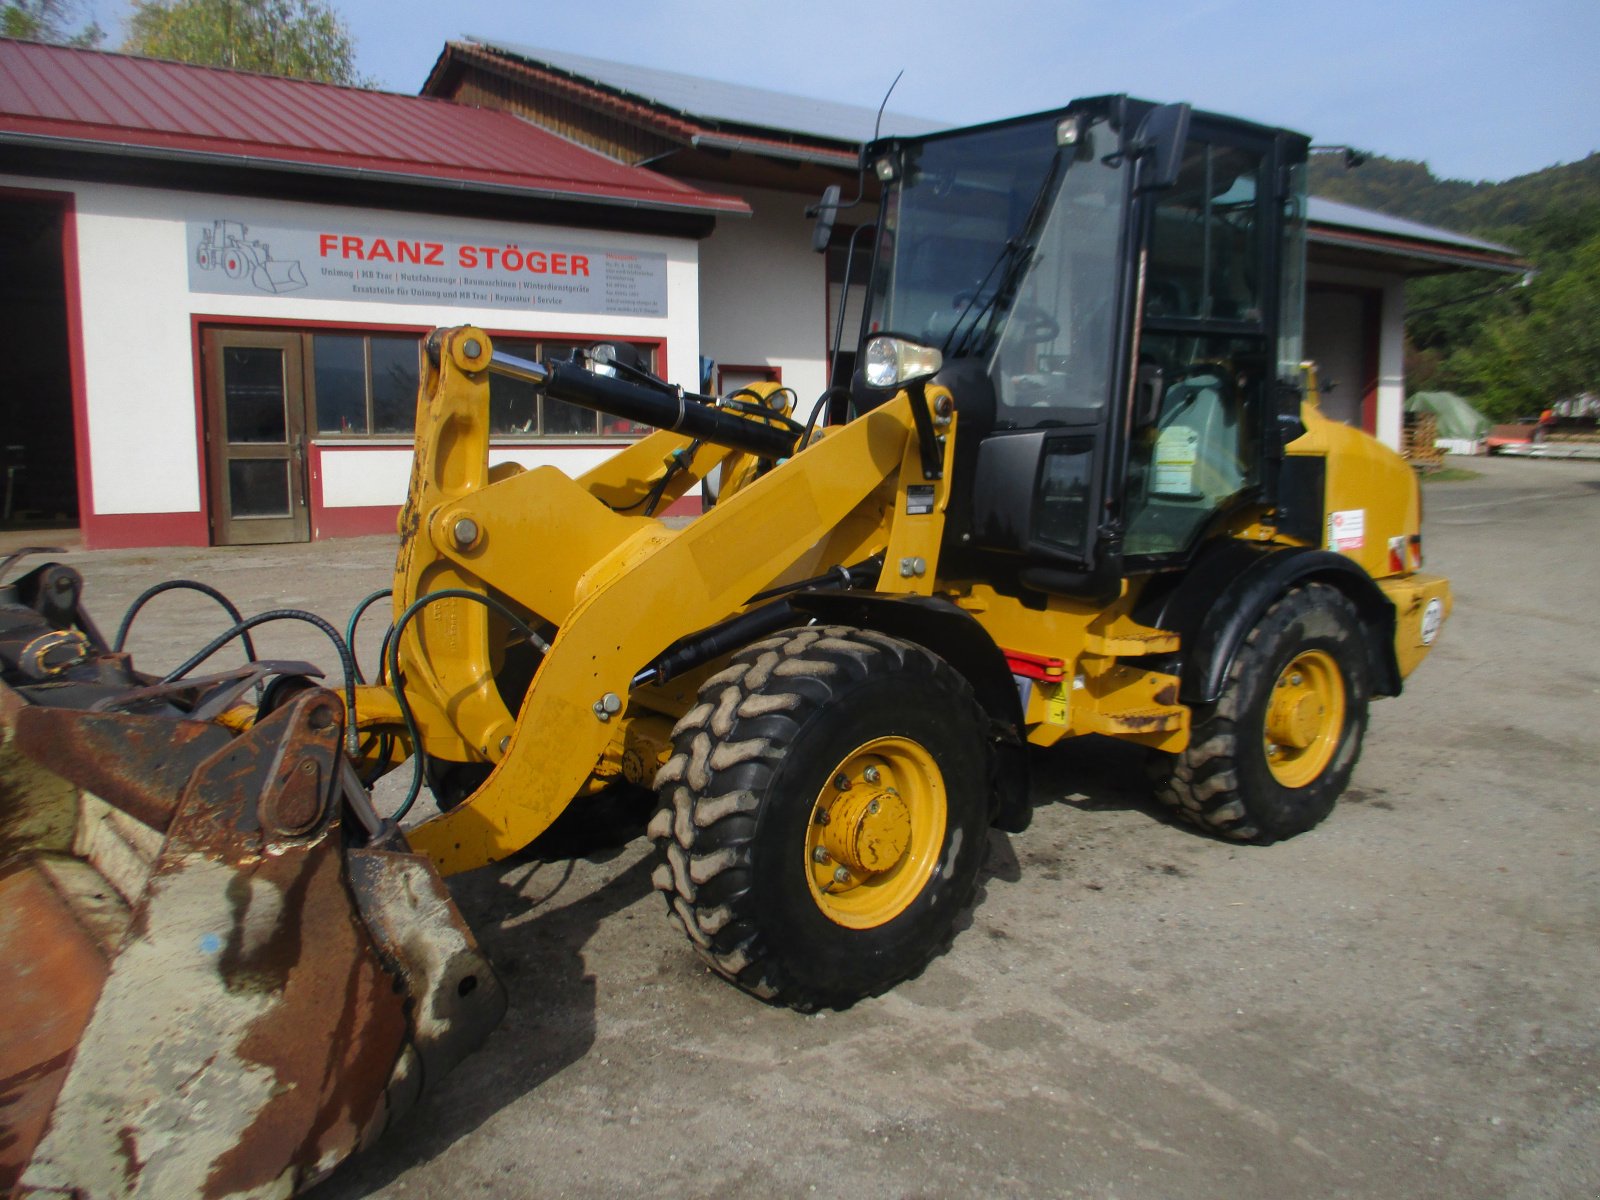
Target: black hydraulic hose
355	619
665	410
700	648
847	577
816	411
652	498
346	660
757	407
397	685
189	585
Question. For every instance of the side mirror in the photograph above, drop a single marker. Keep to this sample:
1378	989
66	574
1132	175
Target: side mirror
826	213
1161	139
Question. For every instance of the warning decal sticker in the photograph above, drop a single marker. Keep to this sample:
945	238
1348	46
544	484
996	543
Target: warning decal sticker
1347	529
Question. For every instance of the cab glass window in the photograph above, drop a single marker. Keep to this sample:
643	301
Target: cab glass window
1205	249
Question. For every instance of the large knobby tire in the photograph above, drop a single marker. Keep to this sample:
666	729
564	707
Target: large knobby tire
824	814
1270	758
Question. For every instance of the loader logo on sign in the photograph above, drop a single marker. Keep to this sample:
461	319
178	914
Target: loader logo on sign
226	246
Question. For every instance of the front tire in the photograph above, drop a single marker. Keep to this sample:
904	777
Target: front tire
1271	757
824	815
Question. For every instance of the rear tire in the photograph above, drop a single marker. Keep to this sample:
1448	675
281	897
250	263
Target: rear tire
1271	757
824	815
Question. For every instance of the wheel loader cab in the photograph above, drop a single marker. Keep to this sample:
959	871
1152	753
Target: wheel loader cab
1115	292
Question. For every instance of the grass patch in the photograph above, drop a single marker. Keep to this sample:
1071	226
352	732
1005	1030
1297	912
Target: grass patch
1450	475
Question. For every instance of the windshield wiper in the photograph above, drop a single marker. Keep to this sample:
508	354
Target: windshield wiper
1013	259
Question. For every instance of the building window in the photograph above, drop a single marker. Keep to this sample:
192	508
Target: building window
365	385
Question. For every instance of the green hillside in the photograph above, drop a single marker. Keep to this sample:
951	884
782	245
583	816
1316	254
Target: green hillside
1520	349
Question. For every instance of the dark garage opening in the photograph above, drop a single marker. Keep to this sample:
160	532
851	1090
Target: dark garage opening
38	466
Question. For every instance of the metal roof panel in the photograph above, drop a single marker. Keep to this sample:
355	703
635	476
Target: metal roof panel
1322	211
712	100
92	97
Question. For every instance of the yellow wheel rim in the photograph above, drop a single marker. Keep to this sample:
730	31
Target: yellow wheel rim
1305	718
875	832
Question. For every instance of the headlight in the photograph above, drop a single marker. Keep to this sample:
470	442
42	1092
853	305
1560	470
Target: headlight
893	362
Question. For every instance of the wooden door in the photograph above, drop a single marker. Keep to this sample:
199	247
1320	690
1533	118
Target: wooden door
256	437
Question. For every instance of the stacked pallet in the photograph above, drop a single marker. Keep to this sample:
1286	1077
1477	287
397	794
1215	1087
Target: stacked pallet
1422	430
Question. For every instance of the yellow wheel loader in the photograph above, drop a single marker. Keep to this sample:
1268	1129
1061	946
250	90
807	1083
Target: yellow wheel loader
1078	484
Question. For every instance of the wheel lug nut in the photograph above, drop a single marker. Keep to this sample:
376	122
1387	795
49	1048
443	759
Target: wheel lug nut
819	855
1295	679
872	806
841	876
870	775
842	782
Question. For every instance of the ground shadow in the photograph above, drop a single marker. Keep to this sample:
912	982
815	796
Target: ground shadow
1097	774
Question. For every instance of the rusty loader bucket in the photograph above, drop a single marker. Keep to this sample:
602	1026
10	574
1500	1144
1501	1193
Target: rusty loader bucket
221	973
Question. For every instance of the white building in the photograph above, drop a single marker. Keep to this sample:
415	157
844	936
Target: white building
216	282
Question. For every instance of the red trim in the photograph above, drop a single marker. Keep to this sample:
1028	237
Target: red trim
120	531
1372	358
75	363
683	506
765	373
1441	252
1035	666
352	522
199	319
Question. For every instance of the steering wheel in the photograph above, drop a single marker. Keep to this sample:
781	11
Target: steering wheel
1032	324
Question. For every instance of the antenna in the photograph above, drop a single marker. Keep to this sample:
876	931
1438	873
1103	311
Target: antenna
831	205
877	126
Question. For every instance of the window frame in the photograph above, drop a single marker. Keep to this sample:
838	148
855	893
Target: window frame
656	347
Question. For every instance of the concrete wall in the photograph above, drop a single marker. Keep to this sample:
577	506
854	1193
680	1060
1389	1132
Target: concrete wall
140	418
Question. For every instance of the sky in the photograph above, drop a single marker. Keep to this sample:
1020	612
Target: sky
1478	90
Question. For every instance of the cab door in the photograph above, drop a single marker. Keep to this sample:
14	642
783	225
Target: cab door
1207	354
255	437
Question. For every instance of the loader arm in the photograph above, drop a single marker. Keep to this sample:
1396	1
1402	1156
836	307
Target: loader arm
616	589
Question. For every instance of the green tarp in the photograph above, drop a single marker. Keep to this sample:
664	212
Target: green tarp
1457	418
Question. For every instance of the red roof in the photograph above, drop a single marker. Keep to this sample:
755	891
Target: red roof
89	98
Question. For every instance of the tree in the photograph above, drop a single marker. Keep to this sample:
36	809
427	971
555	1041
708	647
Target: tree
1548	349
55	21
302	39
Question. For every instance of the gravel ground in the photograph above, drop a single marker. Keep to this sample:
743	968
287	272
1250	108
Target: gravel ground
1401	1003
